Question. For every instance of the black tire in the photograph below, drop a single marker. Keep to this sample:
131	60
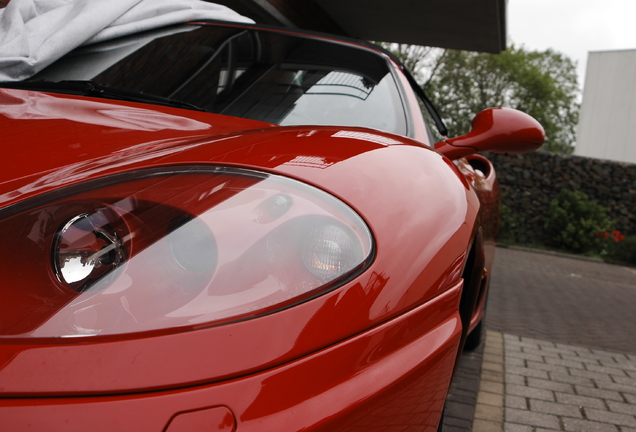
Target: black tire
475	338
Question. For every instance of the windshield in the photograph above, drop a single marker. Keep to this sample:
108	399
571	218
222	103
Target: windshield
255	74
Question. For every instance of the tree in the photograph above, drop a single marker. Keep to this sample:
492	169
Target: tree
462	83
542	84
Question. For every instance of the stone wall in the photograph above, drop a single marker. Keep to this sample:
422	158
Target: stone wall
530	181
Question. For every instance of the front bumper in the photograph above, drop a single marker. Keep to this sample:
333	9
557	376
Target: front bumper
390	377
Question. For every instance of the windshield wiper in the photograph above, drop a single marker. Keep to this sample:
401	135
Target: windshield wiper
95	89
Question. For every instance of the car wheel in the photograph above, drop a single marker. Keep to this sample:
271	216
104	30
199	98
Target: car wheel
474	339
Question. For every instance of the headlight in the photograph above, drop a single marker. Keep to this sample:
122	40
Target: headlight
177	249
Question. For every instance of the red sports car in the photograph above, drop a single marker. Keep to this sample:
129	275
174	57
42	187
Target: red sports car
230	227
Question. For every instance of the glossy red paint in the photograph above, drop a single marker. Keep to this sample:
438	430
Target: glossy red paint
484	181
353	358
499	130
414	263
214	419
409	358
71	139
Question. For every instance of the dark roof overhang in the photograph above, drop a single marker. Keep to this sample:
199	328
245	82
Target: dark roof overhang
456	24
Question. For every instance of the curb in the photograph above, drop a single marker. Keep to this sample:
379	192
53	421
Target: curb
489	410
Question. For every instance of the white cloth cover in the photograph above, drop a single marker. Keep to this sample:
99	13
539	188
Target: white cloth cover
35	33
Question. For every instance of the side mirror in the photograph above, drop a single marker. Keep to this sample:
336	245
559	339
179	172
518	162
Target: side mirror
499	130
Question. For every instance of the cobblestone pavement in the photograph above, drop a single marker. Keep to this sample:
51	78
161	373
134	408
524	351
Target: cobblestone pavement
531	385
564	355
462	396
563	299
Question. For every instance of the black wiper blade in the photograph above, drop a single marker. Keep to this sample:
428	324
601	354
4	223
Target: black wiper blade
95	89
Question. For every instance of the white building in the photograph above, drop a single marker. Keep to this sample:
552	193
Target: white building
607	122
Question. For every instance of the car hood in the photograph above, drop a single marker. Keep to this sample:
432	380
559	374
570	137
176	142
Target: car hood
52	139
56	141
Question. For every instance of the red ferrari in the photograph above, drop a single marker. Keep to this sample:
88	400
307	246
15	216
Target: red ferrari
230	227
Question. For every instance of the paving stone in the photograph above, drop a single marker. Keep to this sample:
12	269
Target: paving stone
492	376
515	361
515	379
462	395
512	427
525	356
552	348
512	346
566	363
595	354
494	367
514	370
550	385
567	347
546	367
607	385
607	369
623	364
453	428
599	393
622	407
456	424
517	402
489	412
491	387
559	409
553	354
570	379
581	401
458	410
580	347
530	297
529	392
531	418
485	426
576	425
610	417
596	376
490	399
577	358
531	340
624	380
493	351
493	358
525	344
495	346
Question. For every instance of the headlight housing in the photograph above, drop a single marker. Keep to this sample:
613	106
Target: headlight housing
176	248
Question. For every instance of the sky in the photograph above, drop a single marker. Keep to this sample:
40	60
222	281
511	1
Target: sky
573	27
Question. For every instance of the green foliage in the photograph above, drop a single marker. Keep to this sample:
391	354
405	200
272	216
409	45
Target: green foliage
512	228
542	84
625	251
573	222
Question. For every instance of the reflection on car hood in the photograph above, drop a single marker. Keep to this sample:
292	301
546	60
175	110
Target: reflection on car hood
53	137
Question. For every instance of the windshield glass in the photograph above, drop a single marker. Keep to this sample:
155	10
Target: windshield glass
255	74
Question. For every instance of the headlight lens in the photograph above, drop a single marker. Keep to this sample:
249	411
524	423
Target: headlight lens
85	249
176	249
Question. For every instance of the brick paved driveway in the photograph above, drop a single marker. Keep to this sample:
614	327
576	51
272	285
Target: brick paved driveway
561	330
562	299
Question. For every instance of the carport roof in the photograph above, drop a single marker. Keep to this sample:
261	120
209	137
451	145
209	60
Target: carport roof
458	24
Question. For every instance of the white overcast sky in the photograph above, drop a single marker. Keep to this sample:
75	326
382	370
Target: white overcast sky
573	27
